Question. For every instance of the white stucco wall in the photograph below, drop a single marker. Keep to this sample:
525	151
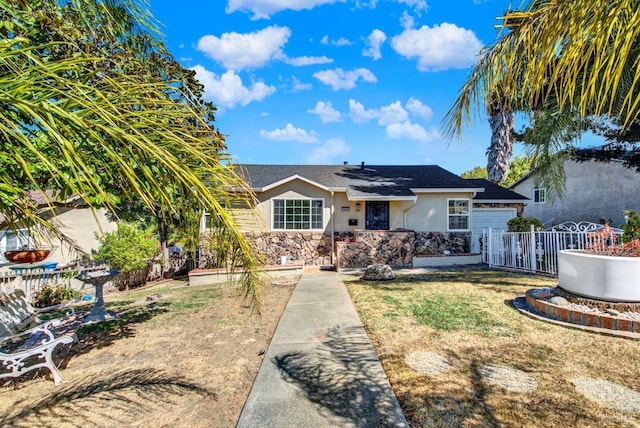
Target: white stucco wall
429	213
594	191
295	189
81	226
78	224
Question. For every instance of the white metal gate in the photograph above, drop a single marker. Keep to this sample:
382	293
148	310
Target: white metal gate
536	251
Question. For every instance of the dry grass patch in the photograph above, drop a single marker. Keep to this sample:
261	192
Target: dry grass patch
467	318
188	358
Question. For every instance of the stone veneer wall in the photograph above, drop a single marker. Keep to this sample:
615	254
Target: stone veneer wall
398	248
310	248
395	248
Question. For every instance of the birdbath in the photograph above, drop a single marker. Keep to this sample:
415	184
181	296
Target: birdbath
98	279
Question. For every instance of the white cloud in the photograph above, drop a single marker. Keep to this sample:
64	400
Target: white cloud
439	48
306	60
340	79
416	107
375	40
411	131
263	9
396	119
290	133
330	152
416	4
298	86
326	112
237	51
393	113
407	21
359	114
228	90
342	41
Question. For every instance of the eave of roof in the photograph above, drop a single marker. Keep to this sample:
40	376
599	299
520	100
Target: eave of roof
450	190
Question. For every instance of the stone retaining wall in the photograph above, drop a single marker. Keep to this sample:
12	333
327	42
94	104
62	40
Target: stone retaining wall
310	248
395	248
398	248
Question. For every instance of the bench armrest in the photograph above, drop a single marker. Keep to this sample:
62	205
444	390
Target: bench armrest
42	328
71	312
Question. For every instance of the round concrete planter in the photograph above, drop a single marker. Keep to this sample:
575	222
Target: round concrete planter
610	278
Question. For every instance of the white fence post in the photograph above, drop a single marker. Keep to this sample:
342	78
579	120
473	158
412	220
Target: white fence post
490	247
532	249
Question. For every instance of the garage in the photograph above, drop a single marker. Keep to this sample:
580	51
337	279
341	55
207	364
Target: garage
485	218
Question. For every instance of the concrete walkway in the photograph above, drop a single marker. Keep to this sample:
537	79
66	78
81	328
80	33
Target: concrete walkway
320	369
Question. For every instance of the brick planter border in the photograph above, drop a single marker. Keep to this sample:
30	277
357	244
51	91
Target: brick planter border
542	309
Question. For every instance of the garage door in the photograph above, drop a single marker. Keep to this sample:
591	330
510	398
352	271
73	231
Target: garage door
484	218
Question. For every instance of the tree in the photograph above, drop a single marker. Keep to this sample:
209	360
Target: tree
500	149
475	172
519	167
561	62
92	104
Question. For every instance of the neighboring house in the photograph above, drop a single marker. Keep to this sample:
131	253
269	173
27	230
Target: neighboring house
493	208
73	219
302	210
594	191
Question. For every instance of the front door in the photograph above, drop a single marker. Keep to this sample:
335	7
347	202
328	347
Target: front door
377	215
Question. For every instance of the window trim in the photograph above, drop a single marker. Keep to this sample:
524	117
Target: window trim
284	229
21	236
468	215
539	190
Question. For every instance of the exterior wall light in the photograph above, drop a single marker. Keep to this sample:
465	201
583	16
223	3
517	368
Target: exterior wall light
357	206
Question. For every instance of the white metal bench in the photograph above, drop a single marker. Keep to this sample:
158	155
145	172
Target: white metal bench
26	341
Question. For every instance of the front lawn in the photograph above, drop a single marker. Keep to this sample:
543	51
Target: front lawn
177	356
465	320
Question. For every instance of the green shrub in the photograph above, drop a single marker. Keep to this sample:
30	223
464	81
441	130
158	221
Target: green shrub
632	227
49	296
523	224
128	248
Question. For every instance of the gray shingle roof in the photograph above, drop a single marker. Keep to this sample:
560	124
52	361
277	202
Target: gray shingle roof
495	192
370	181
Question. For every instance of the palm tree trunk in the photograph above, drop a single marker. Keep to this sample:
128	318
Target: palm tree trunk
501	147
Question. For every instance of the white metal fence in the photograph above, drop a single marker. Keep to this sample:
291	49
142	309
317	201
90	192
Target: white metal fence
33	280
536	251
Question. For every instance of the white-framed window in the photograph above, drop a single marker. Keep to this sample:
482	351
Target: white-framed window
12	240
539	195
458	214
297	214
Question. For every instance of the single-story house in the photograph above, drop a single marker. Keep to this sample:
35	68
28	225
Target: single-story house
594	192
73	218
397	212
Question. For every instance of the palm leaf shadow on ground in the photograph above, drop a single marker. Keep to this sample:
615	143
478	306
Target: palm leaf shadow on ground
92	336
99	335
78	403
338	376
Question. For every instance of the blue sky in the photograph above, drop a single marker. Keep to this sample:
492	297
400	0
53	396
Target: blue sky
327	81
